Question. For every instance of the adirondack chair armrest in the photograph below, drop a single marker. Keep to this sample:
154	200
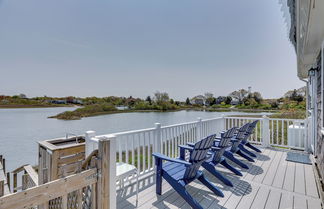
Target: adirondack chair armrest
164	157
185	147
191	144
216	148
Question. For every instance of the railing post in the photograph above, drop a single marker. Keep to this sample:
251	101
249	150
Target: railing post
106	189
199	129
265	132
158	137
90	145
223	122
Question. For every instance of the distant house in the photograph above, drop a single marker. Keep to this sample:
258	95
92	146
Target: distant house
59	101
220	99
198	100
235	101
77	101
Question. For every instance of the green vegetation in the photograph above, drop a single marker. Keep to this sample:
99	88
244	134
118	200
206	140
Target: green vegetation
292	105
89	110
21	101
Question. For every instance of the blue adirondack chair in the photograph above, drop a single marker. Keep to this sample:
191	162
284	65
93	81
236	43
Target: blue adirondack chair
179	172
245	142
217	152
237	146
236	141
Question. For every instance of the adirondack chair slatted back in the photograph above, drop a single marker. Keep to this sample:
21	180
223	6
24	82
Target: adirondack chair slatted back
226	137
242	131
250	130
198	156
224	142
240	136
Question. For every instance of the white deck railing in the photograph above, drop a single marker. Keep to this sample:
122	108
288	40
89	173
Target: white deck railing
136	147
286	133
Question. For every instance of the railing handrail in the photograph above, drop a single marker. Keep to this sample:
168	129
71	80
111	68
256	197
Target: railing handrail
137	131
256	118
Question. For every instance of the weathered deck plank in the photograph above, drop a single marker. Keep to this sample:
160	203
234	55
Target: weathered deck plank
270	183
273	200
300	179
311	188
281	171
289	180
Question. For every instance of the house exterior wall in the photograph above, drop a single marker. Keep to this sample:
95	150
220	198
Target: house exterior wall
320	141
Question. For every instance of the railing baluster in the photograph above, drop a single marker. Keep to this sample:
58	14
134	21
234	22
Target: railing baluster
271	140
120	151
144	152
138	153
277	142
149	152
126	148
133	150
165	138
172	141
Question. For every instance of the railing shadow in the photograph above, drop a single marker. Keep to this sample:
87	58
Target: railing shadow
130	189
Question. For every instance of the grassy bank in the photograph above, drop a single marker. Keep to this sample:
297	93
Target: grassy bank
104	109
286	114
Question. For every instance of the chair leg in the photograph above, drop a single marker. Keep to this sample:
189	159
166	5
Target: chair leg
210	186
253	147
212	170
231	168
158	163
242	154
186	196
231	157
242	148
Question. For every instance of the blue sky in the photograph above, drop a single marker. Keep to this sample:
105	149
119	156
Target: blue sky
128	47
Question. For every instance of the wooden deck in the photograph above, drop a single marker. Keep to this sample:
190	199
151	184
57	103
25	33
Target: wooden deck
270	183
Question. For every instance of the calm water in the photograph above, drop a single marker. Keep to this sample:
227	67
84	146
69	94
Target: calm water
20	129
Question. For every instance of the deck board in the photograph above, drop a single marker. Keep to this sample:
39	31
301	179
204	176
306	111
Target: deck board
300	179
273	200
270	183
289	180
281	172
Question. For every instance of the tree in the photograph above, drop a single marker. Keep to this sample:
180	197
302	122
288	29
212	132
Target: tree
187	101
256	96
239	95
171	101
228	100
161	97
149	100
295	96
210	100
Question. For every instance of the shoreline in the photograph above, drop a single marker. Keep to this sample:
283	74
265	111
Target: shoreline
33	106
60	116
